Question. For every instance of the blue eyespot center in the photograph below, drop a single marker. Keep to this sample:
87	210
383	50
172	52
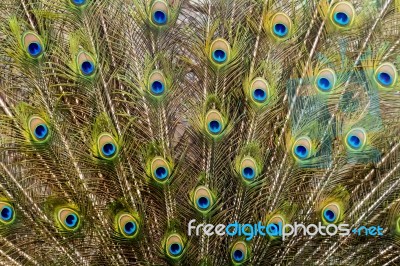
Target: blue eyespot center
214	126
238	255
329	215
248	173
341	18
87	67
160	17
41	131
203	202
280	30
109	149
175	249
301	151
130	228
78	2
161	172
274	228
324	84
6	213
34	49
354	141
157	87
385	79
71	220
219	56
259	95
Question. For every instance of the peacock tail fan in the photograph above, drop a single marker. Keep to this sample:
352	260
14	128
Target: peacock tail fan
199	132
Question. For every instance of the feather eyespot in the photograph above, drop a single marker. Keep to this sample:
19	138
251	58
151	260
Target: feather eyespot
259	91
174	246
331	213
386	75
33	44
239	252
326	80
7	214
128	226
274	225
203	199
159	13
69	219
356	138
302	148
248	169
342	14
39	129
86	64
281	26
157	83
108	147
220	51
160	169
214	122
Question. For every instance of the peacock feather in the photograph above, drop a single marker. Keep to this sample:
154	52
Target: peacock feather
168	132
